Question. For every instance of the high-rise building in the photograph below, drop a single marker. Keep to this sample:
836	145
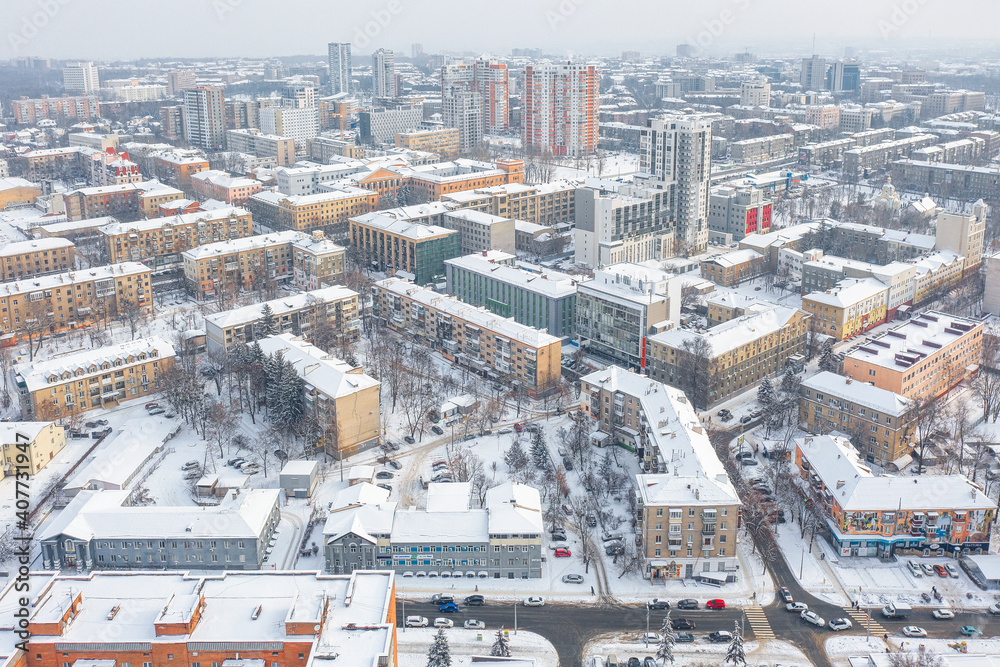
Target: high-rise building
81	78
490	79
172	121
677	154
755	94
340	67
384	73
300	124
205	118
464	110
299	96
559	108
178	81
813	75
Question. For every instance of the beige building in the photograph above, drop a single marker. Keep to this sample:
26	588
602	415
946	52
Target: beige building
545	204
258	144
479	232
687	509
25	259
76	383
852	307
341	396
493	346
964	235
326	210
74	299
26	447
17	191
442	141
392	245
160	241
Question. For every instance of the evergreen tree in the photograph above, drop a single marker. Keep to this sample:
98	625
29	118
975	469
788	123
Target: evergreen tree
736	655
439	654
765	396
515	458
665	650
539	452
501	645
289	409
789	381
268	326
827	362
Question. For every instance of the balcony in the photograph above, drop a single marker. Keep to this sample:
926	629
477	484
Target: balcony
708	530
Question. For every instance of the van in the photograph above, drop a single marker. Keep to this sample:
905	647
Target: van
612	660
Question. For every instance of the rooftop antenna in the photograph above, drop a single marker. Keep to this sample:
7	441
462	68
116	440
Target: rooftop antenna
814	43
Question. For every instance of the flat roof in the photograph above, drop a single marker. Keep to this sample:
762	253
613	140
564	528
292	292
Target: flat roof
221	248
288	304
914	340
730	335
116	227
409	230
551	284
34	245
858	392
54	280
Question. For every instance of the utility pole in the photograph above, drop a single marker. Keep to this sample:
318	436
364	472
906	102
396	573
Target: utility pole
515	618
404	609
802	561
646	637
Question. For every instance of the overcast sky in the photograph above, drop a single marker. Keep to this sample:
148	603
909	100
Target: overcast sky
111	29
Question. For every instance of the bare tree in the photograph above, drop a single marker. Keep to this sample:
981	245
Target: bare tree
6	366
222	424
929	415
696	371
36	321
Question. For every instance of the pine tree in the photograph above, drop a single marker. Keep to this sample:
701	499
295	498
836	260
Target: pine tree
789	381
539	452
665	650
267	326
736	655
501	645
765	395
439	654
515	458
826	359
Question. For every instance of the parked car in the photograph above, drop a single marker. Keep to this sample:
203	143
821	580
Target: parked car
384	474
649	661
797	607
235	463
534	601
437	429
90	424
194	474
416	622
567	463
634	662
614	549
249	467
724	413
78	434
749	463
838	624
717	603
441	598
928	570
812	617
914	569
568	510
746	419
682	624
475	601
559	535
563	553
745	455
657	603
608	536
785	594
914	631
473	624
650	638
150	406
444	623
409	439
572	579
591	521
518	428
720	636
952	570
683	637
558	545
383	485
943	614
994	608
503	431
941	572
449	608
687	604
190	465
394	464
157	411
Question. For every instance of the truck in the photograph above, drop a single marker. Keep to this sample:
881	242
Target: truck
897	610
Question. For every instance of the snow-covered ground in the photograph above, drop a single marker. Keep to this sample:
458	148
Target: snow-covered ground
699	652
842	647
412	645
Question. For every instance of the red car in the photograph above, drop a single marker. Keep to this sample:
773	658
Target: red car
716	604
563	553
518	428
941	572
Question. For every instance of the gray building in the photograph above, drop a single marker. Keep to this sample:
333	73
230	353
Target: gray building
380	126
99	530
545	300
464	110
340	67
448	539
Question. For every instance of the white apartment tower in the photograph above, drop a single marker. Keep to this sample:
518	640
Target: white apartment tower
299	96
464	110
339	54
676	153
560	104
204	118
81	79
813	75
755	94
490	79
383	73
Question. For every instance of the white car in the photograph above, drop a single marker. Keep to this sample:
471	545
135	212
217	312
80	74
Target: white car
943	614
572	579
994	608
558	545
813	617
914	569
444	623
534	601
797	606
473	624
416	621
838	624
914	631
650	638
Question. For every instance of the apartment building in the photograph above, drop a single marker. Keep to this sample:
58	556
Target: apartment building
330	210
381	125
544	299
448	539
734	267
762	148
159	242
688	511
560	108
724	306
442	141
728	358
153	195
39	257
219	185
383	73
63	110
770	244
339	56
621	306
883	423
299	124
430	182
100	530
208	619
178	166
851	308
739	211
963	235
618	222
297	314
924	356
52	163
57	302
204	118
826	272
395	246
76	383
936	274
494	346
490	80
479	232
172	122
340	396
544	204
15	191
253	261
885	515
254	142
26	447
879	156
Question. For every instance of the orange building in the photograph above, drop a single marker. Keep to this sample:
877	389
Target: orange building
36	258
559	109
176	167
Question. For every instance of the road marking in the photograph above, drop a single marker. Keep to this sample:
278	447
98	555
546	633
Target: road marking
861	620
758	622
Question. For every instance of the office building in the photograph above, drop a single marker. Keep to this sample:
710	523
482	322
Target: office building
496	347
445	142
26	447
172	122
851	308
739	211
963	235
813	73
619	222
329	210
392	245
541	299
948	180
339	56
559	109
480	231
204	118
383	74
253	142
24	259
178	81
381	125
755	94
300	124
219	185
81	79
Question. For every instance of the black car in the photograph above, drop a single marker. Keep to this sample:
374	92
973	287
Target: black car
437	429
91	424
682	624
746	419
720	636
395	465
384	474
475	601
409	439
591	521
559	535
687	603
568	464
657	603
442	598
649	662
683	637
634	662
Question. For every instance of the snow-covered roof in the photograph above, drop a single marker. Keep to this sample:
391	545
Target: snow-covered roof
855	488
224	179
14	182
9	431
299	467
731	335
515	509
409	230
476	217
117	464
849	292
551	284
918	338
858	392
684	490
55	280
115	228
329	375
414	525
221	248
288	304
448	497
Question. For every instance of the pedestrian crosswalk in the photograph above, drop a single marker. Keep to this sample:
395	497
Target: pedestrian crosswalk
861	622
758	623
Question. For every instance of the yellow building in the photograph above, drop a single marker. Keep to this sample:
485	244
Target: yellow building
62	301
392	245
154	194
25	259
545	204
18	191
326	210
76	383
850	308
936	274
28	446
160	241
443	141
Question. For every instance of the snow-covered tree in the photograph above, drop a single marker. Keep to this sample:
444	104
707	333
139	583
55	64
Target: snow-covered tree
539	452
766	396
267	326
665	650
515	458
790	381
501	645
736	655
827	362
439	654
